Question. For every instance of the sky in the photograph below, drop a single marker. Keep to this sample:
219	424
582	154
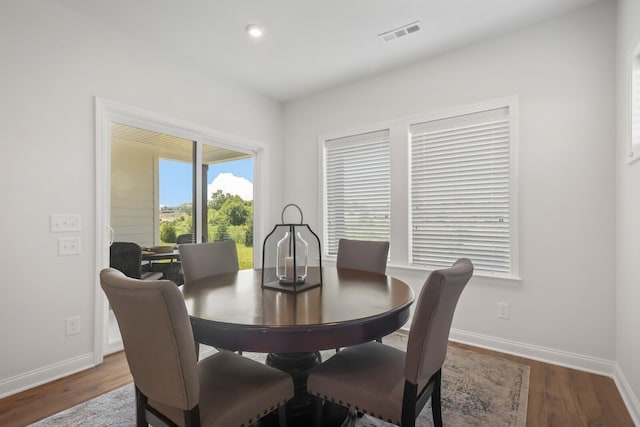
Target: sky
236	177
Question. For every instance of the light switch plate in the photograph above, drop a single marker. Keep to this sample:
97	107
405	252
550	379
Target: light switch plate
65	222
68	246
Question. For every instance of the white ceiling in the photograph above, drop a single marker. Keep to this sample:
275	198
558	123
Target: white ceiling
311	45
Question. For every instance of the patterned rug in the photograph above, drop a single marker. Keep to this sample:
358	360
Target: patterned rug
477	390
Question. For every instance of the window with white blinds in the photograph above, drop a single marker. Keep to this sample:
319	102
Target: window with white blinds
357	188
460	191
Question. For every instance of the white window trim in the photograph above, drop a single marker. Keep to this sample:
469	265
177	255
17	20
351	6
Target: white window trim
634	67
400	179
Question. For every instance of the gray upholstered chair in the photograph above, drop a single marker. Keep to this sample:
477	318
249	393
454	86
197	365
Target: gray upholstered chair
173	271
171	386
367	255
200	260
364	255
205	259
389	383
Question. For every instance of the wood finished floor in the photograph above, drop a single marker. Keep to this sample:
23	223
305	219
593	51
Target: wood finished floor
557	396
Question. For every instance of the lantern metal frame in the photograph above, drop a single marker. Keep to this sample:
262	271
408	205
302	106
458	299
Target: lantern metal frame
312	280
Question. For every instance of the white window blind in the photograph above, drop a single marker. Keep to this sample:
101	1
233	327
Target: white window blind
357	188
460	191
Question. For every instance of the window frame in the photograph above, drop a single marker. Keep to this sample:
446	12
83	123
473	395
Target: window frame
458	118
400	242
634	106
331	140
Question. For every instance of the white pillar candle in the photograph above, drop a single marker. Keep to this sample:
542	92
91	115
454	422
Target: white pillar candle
288	269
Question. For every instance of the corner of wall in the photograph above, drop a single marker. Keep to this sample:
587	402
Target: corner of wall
629	398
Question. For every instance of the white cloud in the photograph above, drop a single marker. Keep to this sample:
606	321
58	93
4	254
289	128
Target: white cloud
229	183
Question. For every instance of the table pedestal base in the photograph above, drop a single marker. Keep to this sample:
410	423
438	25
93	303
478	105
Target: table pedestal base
300	409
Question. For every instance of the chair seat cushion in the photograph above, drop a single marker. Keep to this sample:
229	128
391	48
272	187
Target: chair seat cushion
229	384
368	377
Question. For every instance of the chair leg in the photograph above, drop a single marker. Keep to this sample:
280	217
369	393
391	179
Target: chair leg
409	402
282	415
317	411
192	417
436	406
141	404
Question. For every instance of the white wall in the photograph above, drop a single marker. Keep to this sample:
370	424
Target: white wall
54	62
563	72
628	212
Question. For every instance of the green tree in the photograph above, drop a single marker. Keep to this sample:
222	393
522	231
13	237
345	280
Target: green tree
248	235
213	216
222	229
235	210
217	200
168	232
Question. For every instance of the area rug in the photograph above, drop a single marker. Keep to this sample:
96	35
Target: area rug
477	390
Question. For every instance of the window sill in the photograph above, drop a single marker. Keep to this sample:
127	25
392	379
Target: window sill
478	277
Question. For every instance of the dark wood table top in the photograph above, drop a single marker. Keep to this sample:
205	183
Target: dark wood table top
233	311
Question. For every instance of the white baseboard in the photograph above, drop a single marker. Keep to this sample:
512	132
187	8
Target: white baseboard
629	398
543	354
113	347
45	374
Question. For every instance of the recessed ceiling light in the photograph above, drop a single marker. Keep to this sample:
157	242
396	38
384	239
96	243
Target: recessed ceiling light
254	31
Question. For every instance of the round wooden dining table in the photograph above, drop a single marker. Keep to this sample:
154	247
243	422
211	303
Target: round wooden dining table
233	311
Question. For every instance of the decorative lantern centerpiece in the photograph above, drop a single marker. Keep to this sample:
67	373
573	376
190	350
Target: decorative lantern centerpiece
287	262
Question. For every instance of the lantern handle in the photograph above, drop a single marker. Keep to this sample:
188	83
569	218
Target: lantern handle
285	208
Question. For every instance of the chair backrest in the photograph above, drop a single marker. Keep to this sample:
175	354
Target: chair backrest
157	337
206	259
126	257
363	255
429	333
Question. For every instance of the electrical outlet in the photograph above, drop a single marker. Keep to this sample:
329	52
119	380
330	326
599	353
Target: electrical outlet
504	310
68	246
72	325
61	223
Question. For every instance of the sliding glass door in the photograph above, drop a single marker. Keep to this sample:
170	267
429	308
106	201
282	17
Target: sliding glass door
154	188
166	190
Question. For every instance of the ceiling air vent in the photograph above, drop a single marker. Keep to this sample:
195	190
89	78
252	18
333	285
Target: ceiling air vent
405	30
